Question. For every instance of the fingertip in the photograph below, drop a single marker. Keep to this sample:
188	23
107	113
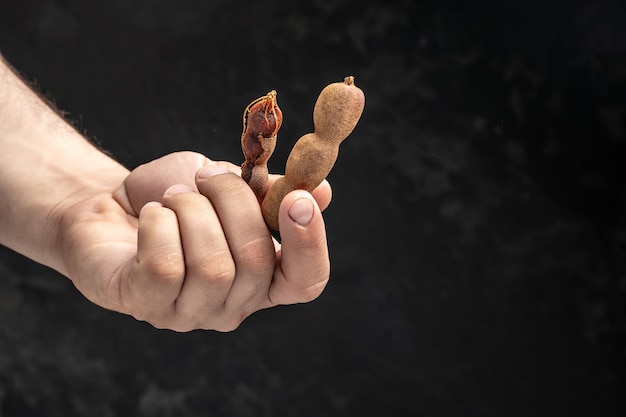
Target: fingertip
177	189
209	171
325	186
323	194
152	204
121	196
298	208
150	212
213	168
301	211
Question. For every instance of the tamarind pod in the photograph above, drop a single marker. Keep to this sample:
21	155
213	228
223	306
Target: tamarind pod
262	119
335	115
307	152
338	110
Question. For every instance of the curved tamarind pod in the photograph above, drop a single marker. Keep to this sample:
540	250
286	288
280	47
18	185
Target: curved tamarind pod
261	121
335	115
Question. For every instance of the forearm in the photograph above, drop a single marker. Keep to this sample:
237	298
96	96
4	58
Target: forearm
45	166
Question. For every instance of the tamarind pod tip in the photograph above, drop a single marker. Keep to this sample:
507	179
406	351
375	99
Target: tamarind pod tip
338	110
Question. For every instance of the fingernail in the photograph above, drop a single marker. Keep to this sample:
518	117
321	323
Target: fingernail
301	211
211	170
179	189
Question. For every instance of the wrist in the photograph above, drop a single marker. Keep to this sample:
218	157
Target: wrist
45	188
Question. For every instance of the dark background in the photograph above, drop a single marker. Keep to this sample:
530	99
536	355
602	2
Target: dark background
477	232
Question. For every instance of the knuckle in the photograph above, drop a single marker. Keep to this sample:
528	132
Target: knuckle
182	328
163	324
313	245
312	292
223	275
175	321
229	325
156	323
255	261
218	269
167	270
258	255
182	323
158	320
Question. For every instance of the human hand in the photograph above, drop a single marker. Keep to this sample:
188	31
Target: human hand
186	248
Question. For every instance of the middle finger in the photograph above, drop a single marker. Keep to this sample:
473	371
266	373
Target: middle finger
249	240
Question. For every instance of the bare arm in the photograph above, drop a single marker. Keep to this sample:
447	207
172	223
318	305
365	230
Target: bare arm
45	166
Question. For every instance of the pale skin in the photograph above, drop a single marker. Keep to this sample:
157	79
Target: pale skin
179	242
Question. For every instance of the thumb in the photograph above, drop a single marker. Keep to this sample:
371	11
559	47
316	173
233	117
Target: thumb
148	182
304	266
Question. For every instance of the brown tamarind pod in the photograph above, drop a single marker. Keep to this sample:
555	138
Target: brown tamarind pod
261	121
335	115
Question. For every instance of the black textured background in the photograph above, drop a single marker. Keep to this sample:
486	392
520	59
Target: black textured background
477	232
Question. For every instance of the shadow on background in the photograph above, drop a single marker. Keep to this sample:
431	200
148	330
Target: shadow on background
477	231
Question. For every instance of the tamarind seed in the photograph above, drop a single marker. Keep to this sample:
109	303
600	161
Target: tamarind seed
262	119
335	115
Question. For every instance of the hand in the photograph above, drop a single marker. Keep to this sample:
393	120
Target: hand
198	254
